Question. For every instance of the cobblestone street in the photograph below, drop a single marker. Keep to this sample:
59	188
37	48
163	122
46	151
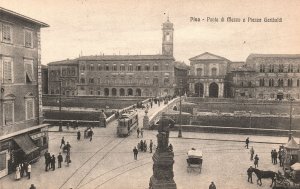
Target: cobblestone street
107	162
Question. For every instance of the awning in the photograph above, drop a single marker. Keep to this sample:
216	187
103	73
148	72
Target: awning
25	143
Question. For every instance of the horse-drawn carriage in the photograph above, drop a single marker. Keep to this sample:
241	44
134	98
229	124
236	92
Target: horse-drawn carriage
194	160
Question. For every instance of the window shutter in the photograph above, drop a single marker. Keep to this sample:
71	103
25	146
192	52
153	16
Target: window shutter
7	71
29	72
29	109
8	113
28	39
6	33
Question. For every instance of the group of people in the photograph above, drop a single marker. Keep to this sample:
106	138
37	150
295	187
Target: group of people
88	134
50	161
140	131
252	152
142	146
280	155
23	169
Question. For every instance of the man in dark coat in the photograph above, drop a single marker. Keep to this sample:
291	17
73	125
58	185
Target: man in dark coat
78	135
135	153
62	143
212	186
59	160
249	173
53	162
275	156
247	142
150	146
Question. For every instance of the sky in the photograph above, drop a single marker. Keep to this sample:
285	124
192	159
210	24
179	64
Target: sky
94	27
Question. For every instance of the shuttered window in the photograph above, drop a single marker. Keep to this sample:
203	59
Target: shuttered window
28	70
29	109
28	38
6	33
7	70
8	111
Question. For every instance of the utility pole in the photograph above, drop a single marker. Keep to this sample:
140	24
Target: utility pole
291	111
250	119
180	125
60	122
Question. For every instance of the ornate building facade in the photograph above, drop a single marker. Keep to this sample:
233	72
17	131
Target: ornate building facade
23	137
117	75
207	75
277	75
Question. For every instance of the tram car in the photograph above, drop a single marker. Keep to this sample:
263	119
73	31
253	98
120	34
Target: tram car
194	160
126	123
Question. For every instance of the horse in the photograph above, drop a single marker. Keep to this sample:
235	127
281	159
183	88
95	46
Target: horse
264	174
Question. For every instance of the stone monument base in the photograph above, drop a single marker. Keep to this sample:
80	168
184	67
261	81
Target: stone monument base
161	184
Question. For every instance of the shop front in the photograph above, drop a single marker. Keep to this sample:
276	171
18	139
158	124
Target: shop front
22	146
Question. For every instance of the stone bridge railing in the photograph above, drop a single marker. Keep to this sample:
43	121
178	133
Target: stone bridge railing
154	118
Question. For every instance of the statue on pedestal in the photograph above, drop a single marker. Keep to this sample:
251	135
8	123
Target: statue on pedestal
163	158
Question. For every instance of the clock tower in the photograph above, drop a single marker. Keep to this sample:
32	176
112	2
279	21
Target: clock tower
167	40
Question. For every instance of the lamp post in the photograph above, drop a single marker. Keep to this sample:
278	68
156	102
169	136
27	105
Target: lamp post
250	119
180	126
60	122
291	111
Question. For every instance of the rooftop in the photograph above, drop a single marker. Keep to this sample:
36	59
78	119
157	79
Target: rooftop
126	57
208	56
6	11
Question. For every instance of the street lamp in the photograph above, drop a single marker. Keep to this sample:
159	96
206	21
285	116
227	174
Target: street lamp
180	126
291	111
60	122
250	119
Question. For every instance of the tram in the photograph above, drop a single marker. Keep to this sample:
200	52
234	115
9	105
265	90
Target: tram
126	123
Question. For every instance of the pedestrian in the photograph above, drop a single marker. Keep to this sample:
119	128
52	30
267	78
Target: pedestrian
247	142
249	173
150	146
142	145
212	186
256	161
68	147
18	173
59	160
142	132
25	169
135	153
68	158
158	102
138	132
275	156
272	156
151	104
62	143
49	160
280	157
91	135
22	169
29	170
53	161
78	135
145	146
251	153
170	147
32	186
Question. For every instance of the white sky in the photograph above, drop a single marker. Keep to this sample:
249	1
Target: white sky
134	27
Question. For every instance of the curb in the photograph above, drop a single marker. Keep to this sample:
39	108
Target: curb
243	141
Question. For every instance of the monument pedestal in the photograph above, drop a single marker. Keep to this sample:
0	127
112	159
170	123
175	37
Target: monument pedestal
162	171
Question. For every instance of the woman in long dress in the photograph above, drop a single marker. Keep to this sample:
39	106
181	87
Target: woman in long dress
18	173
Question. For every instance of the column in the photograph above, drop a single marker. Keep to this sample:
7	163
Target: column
221	90
206	89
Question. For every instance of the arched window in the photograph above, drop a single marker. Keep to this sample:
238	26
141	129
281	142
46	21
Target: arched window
271	83
290	82
130	67
280	82
199	72
280	68
290	68
262	68
261	82
213	71
272	68
298	82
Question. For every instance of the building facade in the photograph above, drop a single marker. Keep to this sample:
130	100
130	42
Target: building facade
277	75
207	75
117	75
23	136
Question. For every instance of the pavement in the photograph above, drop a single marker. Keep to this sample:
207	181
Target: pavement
107	161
